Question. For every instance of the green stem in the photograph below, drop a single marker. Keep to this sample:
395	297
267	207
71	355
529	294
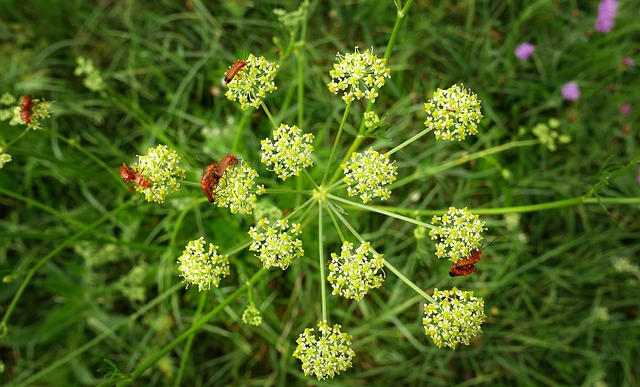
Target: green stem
335	143
268	113
396	211
323	286
382	211
409	141
407	281
195	327
461	160
55	252
386	263
187	347
354	146
240	129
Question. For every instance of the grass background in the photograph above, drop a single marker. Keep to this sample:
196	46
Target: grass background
86	315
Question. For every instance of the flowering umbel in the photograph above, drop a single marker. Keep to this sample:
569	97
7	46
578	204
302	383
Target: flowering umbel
234	190
459	232
367	173
327	355
160	168
358	75
30	112
252	315
4	158
351	274
289	151
201	267
453	113
253	83
277	245
455	317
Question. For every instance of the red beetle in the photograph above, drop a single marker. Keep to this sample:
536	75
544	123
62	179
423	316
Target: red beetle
131	175
466	266
233	71
212	175
25	109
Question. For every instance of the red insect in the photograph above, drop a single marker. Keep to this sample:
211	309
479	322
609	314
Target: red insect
212	175
466	266
209	182
25	109
233	71
131	175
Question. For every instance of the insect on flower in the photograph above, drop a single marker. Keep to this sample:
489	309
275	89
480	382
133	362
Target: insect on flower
212	175
233	71
25	109
209	182
131	175
467	266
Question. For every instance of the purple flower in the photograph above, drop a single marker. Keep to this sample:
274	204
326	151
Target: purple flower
625	109
524	51
571	91
607	11
628	62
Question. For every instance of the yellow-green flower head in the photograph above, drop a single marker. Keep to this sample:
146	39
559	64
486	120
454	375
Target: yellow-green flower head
4	158
201	267
253	82
459	233
38	110
371	121
351	274
235	189
277	245
93	80
548	136
358	75
327	355
453	113
367	173
289	151
454	318
160	168
252	315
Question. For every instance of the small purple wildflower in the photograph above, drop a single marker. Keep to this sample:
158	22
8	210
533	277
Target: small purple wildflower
571	91
628	62
607	11
625	109
524	51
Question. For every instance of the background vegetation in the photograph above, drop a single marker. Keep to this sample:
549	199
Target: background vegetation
109	296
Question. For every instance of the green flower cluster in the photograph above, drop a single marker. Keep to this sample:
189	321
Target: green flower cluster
289	151
277	245
234	191
366	174
453	113
253	82
160	168
358	75
459	232
351	274
454	318
327	355
202	268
